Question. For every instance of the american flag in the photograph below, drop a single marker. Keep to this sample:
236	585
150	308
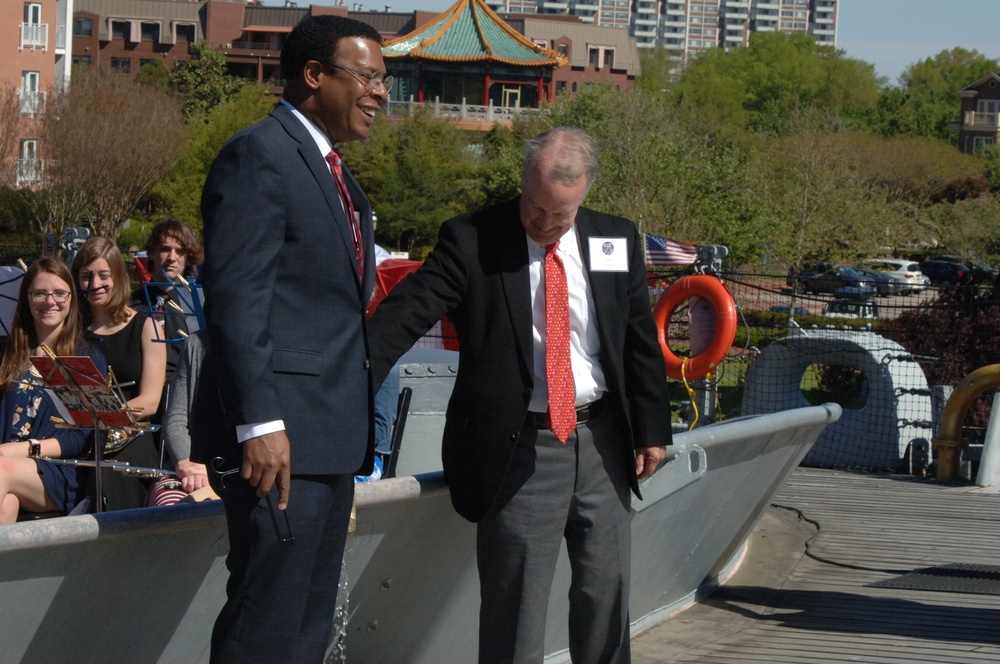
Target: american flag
661	252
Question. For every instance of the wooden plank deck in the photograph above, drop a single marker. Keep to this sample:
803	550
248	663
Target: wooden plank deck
783	606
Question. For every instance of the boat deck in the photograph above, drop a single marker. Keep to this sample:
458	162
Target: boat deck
785	606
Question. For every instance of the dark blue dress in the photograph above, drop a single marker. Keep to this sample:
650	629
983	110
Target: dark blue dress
25	413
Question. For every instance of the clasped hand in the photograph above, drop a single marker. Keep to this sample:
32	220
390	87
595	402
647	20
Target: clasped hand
267	459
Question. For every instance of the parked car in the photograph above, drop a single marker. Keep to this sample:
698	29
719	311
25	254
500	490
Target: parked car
851	309
906	272
946	273
885	285
805	271
982	272
839	280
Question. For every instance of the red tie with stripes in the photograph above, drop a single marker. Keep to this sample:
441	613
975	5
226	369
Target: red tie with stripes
558	368
336	166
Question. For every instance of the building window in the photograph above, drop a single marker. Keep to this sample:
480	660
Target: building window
81	60
988	105
980	142
33	13
31	101
34	33
121	30
121	65
83	27
185	33
601	56
147	61
150	32
562	49
560	86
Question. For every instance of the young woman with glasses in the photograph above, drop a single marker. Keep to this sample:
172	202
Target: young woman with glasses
46	319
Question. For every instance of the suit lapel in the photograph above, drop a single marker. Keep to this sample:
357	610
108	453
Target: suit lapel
320	169
517	284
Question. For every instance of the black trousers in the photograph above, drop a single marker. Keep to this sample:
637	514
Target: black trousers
283	575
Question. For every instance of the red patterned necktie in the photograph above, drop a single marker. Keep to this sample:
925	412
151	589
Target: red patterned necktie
558	368
333	158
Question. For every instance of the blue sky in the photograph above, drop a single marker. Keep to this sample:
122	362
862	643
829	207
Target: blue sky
891	34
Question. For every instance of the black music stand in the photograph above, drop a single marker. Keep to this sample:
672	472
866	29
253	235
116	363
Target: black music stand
84	398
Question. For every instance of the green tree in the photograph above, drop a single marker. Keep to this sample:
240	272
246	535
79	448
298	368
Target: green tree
927	102
761	85
155	75
659	68
418	172
180	191
202	81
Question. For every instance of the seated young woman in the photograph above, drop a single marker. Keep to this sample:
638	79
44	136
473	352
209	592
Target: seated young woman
133	345
47	314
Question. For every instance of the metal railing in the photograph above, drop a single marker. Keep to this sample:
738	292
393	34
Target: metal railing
34	35
31	103
461	111
28	171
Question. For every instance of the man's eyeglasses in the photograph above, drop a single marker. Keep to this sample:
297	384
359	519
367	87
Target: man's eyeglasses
59	296
369	81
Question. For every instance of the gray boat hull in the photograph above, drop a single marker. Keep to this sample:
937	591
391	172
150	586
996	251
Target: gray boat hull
145	585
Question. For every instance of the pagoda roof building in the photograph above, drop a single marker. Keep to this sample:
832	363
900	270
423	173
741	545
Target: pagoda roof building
469	53
469	31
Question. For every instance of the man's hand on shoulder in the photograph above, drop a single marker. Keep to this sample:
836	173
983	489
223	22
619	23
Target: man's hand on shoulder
647	459
267	459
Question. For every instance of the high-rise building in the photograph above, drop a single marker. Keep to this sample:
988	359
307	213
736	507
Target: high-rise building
690	26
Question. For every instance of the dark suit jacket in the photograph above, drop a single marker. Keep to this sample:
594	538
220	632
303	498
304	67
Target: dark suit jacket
284	304
478	276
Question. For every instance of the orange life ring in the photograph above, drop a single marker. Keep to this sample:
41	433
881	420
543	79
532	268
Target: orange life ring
713	290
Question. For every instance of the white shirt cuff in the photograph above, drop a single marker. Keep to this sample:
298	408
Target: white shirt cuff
245	432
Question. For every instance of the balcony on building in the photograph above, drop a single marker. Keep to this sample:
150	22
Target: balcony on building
34	35
31	103
649	32
558	6
60	39
642	20
981	121
768	5
590	7
28	171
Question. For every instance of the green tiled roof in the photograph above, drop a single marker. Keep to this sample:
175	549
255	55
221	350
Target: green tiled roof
469	31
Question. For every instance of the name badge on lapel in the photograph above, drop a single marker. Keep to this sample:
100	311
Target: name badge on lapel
608	254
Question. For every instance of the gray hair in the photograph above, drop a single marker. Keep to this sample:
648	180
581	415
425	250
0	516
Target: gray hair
567	153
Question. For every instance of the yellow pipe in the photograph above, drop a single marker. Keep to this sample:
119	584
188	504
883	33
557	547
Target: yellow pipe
949	442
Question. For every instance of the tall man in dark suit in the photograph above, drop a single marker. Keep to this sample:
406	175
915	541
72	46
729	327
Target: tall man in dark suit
288	275
550	421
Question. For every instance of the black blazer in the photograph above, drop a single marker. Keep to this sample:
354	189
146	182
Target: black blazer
478	276
284	303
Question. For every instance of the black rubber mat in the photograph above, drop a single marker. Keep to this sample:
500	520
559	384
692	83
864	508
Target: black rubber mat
955	578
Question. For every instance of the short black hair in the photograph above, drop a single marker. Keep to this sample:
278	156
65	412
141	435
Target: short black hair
316	37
